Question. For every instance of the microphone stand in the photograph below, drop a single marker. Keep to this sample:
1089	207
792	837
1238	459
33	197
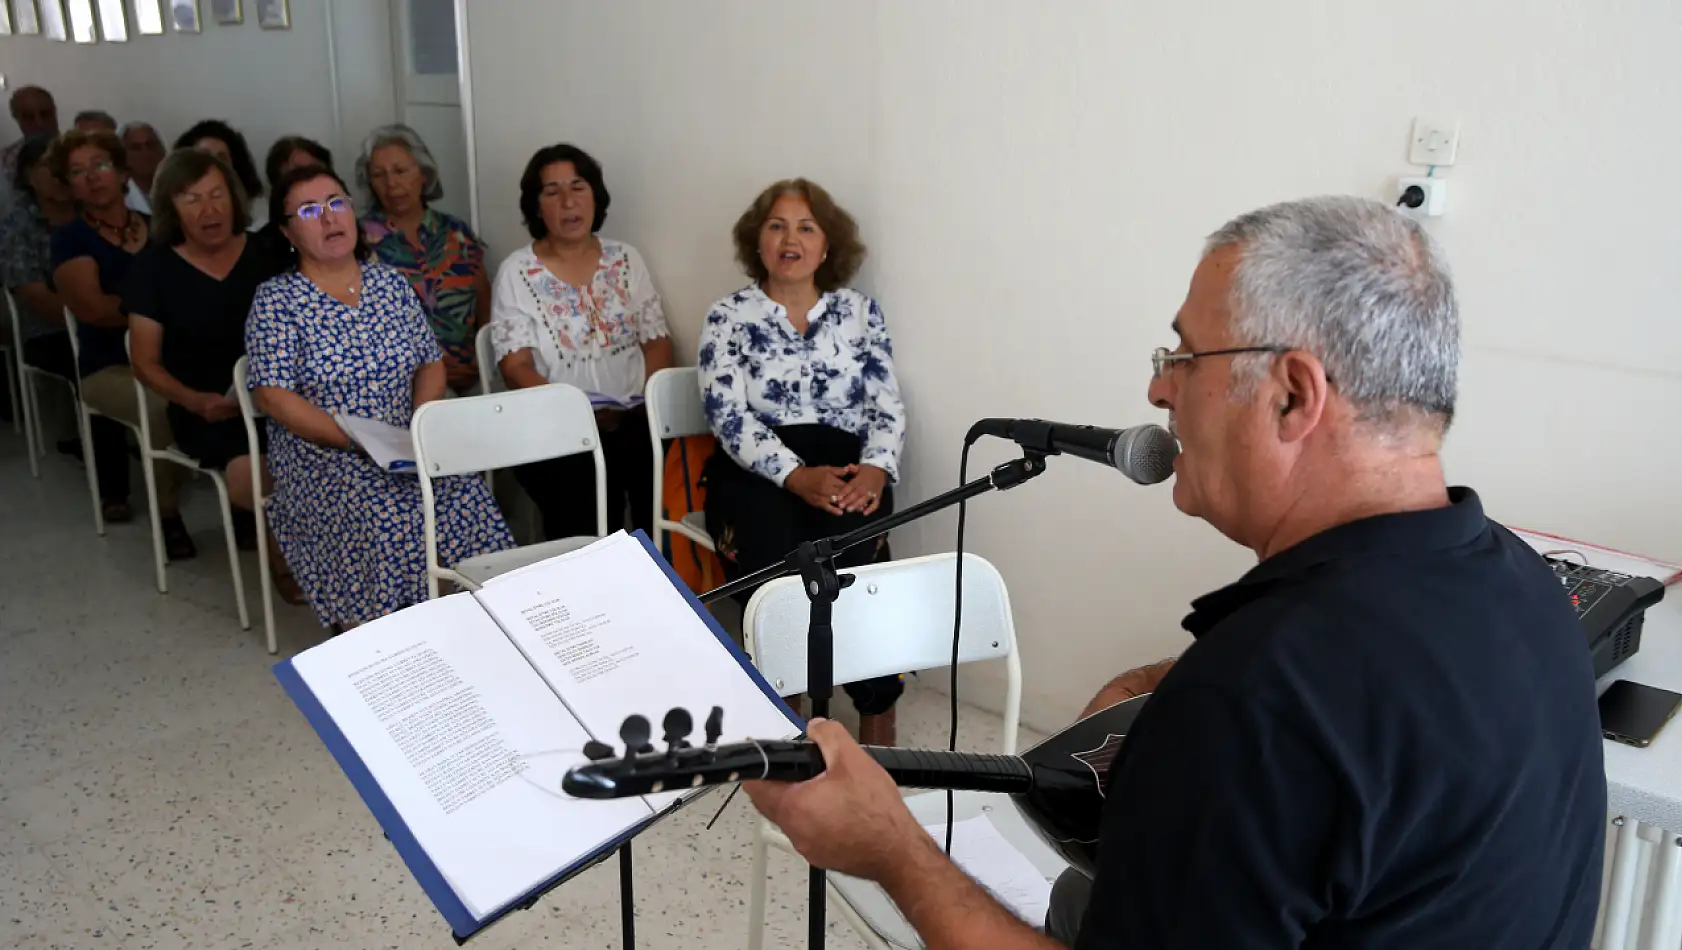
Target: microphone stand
813	561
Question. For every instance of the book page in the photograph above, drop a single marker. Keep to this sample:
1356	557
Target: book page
391	448
613	637
984	854
461	736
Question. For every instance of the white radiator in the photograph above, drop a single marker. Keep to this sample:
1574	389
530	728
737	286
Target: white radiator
1641	891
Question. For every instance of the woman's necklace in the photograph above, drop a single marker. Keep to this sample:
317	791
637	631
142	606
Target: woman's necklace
120	234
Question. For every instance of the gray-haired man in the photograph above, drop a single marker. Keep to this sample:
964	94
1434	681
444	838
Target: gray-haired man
1385	734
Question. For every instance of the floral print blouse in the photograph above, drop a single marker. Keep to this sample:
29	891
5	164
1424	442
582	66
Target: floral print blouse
442	262
757	373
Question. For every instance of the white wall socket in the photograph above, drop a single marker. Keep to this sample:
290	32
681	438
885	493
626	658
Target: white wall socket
1433	142
1432	196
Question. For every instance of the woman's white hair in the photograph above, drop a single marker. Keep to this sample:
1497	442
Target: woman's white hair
432	188
1361	286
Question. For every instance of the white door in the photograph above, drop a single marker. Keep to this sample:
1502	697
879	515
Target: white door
425	61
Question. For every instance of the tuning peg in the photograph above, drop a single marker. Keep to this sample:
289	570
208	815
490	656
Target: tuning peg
597	751
715	725
677	725
634	732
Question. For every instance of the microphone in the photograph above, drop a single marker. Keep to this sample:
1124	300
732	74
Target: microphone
1143	453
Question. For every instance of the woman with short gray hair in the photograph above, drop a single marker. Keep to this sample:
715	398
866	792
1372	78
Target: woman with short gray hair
443	260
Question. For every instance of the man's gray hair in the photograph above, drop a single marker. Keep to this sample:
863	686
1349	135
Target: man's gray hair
1361	286
431	190
138	124
95	115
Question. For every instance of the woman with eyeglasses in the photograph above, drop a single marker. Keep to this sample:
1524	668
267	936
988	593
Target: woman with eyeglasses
345	334
26	252
92	255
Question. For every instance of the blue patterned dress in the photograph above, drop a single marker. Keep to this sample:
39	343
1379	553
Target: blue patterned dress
352	532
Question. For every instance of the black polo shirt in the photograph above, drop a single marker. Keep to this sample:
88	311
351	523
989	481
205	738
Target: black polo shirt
1384	737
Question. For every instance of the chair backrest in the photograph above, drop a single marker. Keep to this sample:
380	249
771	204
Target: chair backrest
490	378
674	404
13	320
895	618
75	341
502	430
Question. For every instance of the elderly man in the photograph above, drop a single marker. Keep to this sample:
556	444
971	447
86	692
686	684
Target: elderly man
145	151
34	112
1385	734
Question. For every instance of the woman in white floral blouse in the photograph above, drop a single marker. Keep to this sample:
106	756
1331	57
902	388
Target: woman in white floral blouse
575	308
797	376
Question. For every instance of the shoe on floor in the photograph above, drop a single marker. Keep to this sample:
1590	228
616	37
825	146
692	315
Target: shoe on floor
178	544
116	512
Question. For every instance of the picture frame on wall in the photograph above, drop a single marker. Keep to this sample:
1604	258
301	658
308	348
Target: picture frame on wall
148	17
5	19
113	21
185	15
53	24
274	14
227	12
25	18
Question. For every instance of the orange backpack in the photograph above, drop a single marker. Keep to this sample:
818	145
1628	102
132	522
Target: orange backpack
682	493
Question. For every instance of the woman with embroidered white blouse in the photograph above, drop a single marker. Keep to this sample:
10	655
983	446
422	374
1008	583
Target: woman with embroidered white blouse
575	308
797	378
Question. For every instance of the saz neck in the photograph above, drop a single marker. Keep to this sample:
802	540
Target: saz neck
920	768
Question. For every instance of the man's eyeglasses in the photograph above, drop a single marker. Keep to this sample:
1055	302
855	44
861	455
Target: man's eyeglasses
97	168
1163	359
313	210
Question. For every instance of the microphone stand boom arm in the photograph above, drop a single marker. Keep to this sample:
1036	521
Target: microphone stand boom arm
813	561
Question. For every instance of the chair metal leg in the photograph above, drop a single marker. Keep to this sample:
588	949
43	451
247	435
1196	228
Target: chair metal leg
31	419
756	892
147	463
85	426
14	356
233	546
263	579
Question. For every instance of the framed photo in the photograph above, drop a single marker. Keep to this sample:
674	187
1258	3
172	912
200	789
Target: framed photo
5	19
274	14
227	12
148	17
185	15
25	18
53	24
113	21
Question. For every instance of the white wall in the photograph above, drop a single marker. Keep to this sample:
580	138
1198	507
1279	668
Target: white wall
1034	180
266	83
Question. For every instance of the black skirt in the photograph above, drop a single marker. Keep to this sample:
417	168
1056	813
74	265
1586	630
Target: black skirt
213	444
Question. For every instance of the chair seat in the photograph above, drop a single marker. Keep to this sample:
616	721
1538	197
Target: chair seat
486	566
872	904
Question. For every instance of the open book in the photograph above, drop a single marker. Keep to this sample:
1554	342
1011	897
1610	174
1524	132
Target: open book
390	447
456	718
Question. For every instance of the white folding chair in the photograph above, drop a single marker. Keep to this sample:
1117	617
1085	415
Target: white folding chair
248	412
84	421
673	397
490	377
28	375
499	430
12	350
175	456
896	617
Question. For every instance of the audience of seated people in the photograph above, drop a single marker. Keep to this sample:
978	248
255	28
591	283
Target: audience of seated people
342	333
575	308
187	297
439	253
92	254
798	384
375	317
223	141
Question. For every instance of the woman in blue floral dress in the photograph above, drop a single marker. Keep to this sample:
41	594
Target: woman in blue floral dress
345	334
797	377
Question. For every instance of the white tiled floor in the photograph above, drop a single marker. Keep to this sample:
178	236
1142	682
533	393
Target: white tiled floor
158	790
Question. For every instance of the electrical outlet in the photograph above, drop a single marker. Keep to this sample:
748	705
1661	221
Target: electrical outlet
1434	143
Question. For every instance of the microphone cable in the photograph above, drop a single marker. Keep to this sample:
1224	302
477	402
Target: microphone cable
957	630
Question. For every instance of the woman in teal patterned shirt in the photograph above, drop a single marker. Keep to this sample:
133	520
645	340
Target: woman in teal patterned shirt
440	255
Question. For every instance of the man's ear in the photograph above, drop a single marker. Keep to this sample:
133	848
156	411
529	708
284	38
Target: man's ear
1300	393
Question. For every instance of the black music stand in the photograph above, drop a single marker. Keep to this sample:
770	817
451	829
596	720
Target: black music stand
814	562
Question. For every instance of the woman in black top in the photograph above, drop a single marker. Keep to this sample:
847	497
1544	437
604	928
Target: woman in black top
187	298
